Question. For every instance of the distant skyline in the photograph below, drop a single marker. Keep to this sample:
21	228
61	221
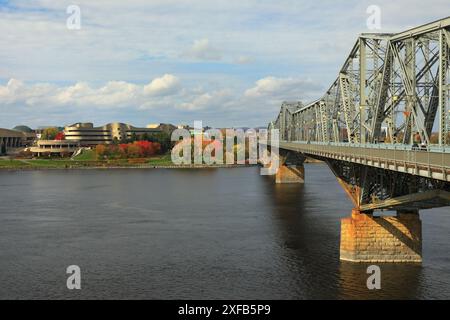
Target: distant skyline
227	63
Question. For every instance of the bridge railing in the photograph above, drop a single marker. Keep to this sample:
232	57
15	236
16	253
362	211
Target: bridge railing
434	163
389	146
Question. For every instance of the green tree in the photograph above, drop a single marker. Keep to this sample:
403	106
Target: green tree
145	137
133	137
163	139
49	133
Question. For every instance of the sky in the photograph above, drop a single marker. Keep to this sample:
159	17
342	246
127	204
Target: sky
227	63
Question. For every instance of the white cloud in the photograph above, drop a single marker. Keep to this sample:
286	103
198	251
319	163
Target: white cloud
9	91
286	88
139	40
112	94
207	100
167	84
203	50
163	100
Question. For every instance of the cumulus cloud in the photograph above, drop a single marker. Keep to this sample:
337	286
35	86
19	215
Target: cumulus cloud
164	95
203	50
205	100
286	88
112	94
114	43
167	84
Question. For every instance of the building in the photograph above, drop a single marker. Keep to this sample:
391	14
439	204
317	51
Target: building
193	131
29	135
164	127
9	139
18	137
54	147
88	135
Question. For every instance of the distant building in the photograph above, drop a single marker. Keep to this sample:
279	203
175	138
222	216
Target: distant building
88	135
29	135
9	139
193	131
54	147
18	137
164	127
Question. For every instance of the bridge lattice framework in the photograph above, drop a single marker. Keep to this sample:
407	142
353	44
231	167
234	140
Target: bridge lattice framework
392	92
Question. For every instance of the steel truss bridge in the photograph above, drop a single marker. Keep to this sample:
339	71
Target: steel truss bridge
383	126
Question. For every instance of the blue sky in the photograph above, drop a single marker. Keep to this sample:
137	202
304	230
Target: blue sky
227	63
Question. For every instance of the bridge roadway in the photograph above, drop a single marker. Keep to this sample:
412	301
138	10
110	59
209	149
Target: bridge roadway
434	163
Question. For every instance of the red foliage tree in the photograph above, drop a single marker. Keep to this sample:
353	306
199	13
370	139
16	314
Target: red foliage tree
60	136
136	149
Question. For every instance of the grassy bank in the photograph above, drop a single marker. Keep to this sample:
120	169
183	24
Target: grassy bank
153	162
88	159
83	161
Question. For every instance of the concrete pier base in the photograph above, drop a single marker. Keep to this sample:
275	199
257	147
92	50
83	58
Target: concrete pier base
290	174
365	238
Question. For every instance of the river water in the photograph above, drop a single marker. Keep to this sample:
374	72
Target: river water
226	233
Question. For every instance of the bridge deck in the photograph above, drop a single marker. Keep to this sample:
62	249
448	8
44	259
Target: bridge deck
431	164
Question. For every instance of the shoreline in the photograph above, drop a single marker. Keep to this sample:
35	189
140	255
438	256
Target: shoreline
75	167
86	166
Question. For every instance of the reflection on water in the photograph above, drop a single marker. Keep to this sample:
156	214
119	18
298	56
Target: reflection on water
219	233
311	228
398	281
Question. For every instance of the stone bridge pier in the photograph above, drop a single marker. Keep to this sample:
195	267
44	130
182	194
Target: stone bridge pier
291	169
367	238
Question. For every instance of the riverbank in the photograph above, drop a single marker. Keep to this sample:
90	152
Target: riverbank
39	164
161	162
30	168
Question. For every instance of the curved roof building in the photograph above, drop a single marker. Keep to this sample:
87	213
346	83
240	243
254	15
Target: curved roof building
23	128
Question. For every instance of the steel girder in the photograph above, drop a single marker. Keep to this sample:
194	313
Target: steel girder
392	88
374	188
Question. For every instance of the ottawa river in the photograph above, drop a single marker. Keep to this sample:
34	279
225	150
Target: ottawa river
225	233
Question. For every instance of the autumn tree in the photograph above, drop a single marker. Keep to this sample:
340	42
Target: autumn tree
49	133
163	138
133	151
100	150
60	136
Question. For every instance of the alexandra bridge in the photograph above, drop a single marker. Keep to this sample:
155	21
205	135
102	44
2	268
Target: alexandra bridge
383	128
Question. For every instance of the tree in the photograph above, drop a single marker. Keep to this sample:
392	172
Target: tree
163	139
134	137
113	151
134	151
49	133
100	150
60	136
145	137
123	150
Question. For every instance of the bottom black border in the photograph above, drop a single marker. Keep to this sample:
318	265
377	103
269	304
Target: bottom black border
172	309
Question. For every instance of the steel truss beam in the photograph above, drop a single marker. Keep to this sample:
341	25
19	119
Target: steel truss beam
391	89
373	188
